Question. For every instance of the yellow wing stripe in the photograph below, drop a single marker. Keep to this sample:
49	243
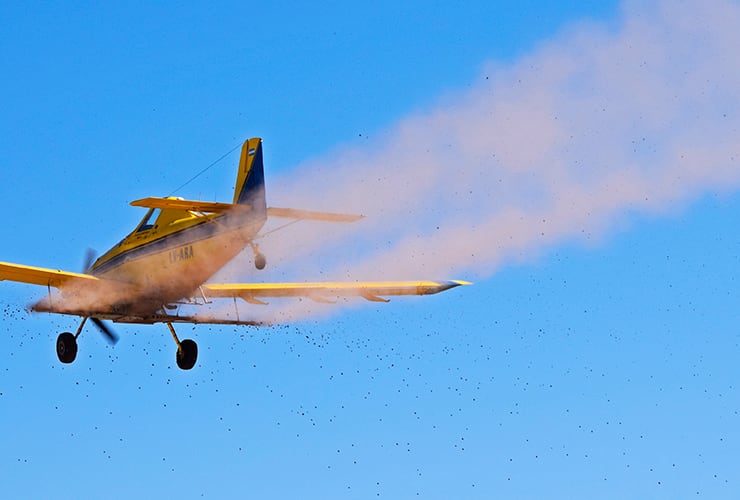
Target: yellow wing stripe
39	275
371	290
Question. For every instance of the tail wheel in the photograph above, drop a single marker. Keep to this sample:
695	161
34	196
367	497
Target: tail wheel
66	347
187	354
260	261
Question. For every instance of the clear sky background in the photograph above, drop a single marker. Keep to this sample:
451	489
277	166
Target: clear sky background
596	354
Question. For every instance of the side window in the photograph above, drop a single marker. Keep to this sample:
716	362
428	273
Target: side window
148	221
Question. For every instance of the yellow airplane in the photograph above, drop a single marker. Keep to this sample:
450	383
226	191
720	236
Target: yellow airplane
166	261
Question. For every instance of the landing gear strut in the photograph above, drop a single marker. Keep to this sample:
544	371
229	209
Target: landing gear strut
187	351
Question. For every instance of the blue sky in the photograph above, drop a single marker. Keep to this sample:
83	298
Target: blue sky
599	366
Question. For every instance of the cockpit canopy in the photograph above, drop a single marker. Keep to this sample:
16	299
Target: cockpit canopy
149	219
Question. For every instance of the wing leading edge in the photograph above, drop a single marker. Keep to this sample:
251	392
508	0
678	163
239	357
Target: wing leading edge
320	291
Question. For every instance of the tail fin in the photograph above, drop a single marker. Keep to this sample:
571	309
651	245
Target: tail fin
250	181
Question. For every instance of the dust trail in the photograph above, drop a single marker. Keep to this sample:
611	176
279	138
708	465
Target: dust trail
598	123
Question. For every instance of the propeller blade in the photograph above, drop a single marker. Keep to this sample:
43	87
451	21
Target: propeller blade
89	259
112	337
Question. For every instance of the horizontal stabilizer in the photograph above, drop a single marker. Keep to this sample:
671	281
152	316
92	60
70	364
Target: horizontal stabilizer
293	213
216	207
180	204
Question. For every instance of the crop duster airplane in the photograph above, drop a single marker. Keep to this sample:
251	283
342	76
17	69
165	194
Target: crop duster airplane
167	259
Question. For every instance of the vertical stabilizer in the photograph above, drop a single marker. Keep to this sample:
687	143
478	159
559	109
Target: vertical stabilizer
250	180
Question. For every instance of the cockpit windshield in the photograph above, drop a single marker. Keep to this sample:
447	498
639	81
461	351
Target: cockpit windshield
148	221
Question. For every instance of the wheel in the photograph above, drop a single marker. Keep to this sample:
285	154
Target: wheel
260	261
187	354
66	347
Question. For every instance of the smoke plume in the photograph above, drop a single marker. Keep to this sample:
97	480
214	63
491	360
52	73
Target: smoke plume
595	124
641	116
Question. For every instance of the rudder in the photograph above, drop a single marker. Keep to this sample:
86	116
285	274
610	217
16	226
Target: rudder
250	180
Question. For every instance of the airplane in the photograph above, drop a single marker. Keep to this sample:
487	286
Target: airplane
167	260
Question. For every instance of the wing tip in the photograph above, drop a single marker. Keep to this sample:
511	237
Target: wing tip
443	286
460	282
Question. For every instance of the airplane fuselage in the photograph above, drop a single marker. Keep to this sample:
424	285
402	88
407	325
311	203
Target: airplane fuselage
170	258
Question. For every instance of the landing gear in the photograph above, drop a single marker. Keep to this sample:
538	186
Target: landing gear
187	351
67	342
187	354
260	261
66	347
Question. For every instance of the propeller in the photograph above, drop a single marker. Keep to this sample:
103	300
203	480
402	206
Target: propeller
107	332
109	335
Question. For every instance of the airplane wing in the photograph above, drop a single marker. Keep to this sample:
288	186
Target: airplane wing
320	291
252	293
41	276
80	283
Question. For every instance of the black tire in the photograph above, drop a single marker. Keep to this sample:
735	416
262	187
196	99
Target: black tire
260	261
187	354
66	347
